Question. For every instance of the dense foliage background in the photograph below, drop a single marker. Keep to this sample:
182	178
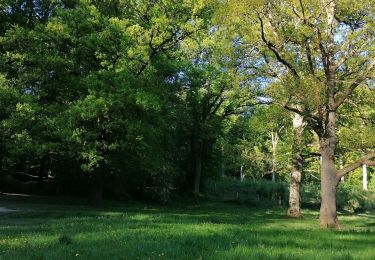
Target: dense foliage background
150	100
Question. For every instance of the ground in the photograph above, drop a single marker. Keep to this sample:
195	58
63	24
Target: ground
41	230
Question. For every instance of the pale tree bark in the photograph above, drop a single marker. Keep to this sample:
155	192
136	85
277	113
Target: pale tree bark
323	53
275	140
364	176
294	209
342	166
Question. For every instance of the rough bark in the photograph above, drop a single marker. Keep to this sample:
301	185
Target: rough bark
328	141
294	209
329	182
329	176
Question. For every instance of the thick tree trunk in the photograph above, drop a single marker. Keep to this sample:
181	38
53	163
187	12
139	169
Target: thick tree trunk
294	209
329	182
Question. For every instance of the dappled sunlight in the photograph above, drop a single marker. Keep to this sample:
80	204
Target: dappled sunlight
237	232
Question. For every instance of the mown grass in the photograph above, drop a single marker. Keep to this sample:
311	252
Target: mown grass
204	231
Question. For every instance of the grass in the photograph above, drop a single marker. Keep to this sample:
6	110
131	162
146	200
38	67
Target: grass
203	231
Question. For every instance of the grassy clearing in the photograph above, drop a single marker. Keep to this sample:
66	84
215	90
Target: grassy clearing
205	231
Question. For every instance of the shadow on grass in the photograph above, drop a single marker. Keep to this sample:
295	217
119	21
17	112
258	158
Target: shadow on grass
184	232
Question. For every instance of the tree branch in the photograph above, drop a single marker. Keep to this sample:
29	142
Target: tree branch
311	120
351	167
272	47
370	163
349	90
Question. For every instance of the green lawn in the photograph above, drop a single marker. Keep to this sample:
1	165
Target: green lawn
204	231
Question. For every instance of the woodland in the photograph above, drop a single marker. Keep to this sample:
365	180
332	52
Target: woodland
238	106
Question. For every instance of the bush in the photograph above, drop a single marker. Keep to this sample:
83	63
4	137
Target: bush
260	192
349	198
353	199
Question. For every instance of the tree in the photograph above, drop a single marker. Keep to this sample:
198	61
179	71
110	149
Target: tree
320	51
212	98
356	126
97	74
294	209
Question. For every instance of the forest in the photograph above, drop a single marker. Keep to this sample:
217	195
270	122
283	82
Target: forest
264	104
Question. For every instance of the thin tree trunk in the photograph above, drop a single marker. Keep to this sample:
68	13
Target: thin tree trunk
198	169
242	175
364	176
275	140
342	166
97	195
97	186
294	209
42	170
222	173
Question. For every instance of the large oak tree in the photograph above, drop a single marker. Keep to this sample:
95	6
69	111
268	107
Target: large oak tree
319	51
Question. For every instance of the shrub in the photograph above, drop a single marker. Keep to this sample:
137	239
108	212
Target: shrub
260	192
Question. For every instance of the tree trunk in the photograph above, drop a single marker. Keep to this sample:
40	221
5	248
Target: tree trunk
329	182
222	168
296	174
97	180
97	195
328	139
342	166
364	176
198	169
242	175
42	170
275	140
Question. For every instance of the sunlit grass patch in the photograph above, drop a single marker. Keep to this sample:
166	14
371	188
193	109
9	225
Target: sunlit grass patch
205	231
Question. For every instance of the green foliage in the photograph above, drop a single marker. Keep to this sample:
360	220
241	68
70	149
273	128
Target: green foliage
255	193
350	198
129	96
